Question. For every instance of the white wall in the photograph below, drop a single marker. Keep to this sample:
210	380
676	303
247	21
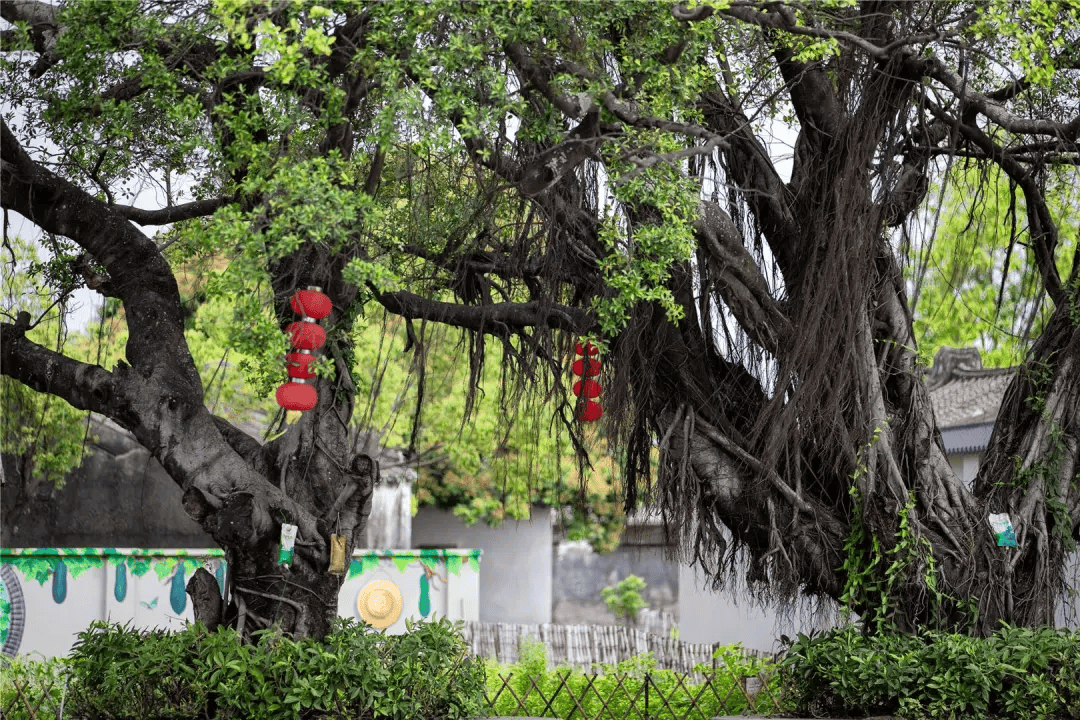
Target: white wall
515	585
1068	610
63	590
728	616
966	467
390	522
453	586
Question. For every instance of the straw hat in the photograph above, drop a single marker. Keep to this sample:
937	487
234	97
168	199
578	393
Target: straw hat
379	603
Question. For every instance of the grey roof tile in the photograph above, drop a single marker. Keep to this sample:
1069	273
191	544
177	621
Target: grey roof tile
966	398
972	398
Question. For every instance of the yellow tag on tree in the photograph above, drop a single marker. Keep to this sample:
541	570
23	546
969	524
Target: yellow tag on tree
291	416
337	555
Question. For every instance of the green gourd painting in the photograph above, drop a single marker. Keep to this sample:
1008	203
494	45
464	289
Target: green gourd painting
425	600
59	584
177	596
120	587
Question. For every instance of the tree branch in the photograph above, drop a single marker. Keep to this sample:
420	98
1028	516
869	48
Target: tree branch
174	213
740	282
749	165
497	319
139	274
83	386
483	261
809	87
41	17
245	446
784	19
1010	90
931	66
995	112
539	78
627	112
1041	224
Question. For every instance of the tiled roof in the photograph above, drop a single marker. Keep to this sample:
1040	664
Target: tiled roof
964	393
964	439
973	397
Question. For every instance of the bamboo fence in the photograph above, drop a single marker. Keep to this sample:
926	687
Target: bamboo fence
584	645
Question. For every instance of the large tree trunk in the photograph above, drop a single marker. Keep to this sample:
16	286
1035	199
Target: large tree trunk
839	464
863	424
1032	471
238	491
311	466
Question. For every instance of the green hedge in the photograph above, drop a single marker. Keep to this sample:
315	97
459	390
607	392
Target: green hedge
1016	673
116	672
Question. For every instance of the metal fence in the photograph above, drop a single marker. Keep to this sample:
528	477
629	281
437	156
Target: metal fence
615	697
585	645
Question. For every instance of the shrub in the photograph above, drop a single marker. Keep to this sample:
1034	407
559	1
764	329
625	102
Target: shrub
624	598
1015	673
117	672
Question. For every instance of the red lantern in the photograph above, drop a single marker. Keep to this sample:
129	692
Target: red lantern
591	411
591	369
297	364
590	388
585	389
306	335
297	396
311	303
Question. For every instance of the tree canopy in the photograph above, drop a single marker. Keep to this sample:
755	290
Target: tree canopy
534	174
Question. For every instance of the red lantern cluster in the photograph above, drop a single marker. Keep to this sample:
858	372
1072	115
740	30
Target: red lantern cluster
587	389
306	335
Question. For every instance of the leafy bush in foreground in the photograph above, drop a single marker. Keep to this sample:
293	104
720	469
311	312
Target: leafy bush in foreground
1015	673
119	672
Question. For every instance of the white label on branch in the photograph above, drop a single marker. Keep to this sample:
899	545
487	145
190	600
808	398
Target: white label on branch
288	541
1003	529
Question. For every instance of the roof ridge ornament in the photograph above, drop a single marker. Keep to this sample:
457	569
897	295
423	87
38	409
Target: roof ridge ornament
952	364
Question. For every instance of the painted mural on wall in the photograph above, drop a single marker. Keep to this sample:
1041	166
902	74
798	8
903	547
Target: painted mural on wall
47	595
12	611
